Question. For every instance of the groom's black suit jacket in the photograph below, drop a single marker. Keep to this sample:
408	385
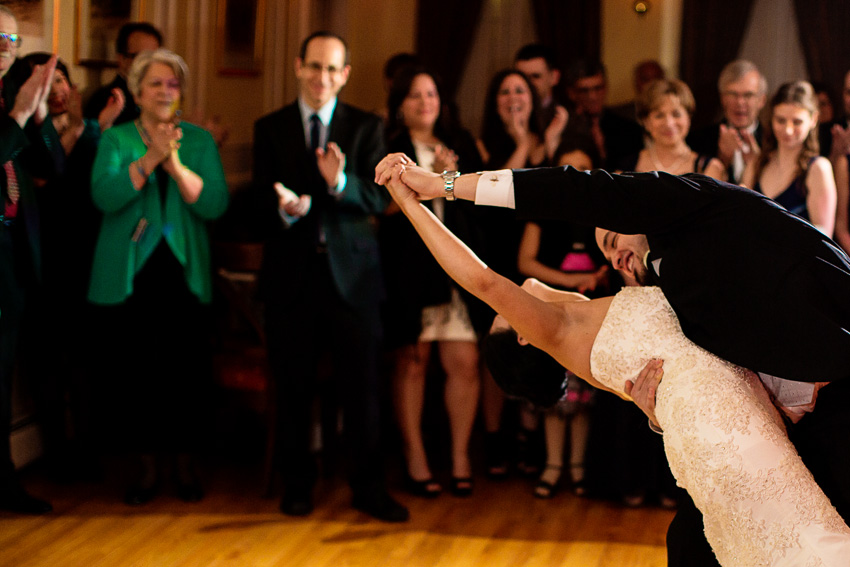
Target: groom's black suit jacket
749	281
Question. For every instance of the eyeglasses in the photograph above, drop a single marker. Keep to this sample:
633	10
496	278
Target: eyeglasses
592	89
317	68
12	38
748	96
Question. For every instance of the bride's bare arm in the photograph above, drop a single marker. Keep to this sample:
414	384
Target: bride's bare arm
550	327
549	294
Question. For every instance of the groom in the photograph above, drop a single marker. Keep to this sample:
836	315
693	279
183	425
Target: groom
749	282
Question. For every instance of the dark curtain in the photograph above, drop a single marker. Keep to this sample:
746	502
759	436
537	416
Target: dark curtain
711	37
571	27
823	35
444	36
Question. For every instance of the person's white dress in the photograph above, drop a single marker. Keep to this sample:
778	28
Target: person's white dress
725	442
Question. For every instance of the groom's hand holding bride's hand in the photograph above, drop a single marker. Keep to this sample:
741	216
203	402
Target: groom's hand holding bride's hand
643	388
424	183
400	192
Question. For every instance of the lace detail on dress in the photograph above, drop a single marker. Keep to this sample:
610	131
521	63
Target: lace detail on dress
725	442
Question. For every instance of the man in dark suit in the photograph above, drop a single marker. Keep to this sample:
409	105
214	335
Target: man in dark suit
537	61
22	152
743	93
616	137
749	282
133	38
321	278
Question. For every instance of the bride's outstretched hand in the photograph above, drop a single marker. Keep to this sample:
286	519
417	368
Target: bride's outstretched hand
424	183
400	192
385	167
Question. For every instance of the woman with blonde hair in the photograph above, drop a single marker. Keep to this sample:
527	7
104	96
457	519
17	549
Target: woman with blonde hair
664	109
158	182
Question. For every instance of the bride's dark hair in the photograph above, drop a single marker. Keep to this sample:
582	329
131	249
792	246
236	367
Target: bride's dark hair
524	371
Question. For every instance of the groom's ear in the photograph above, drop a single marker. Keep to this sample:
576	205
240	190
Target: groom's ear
521	340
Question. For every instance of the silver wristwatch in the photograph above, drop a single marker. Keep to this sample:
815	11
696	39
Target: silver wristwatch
449	180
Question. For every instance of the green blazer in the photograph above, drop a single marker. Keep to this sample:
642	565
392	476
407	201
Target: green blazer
118	254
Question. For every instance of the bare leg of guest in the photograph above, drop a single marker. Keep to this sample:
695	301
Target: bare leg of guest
409	388
460	361
555	431
492	402
579	426
528	454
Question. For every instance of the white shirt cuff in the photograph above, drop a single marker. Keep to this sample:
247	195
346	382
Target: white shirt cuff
496	189
340	187
288	220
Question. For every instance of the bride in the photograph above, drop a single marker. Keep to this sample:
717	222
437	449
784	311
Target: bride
725	441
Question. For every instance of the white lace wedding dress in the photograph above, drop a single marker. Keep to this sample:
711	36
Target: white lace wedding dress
725	442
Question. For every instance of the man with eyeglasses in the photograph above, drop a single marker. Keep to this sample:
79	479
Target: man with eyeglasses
616	137
133	38
315	199
23	111
743	93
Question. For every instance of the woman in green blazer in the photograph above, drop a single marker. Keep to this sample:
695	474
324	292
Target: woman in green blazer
158	183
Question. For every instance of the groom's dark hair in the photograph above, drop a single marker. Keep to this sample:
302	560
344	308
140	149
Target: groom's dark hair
524	371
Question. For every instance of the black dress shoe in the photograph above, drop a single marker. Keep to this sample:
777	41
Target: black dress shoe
190	491
381	506
296	502
137	495
17	500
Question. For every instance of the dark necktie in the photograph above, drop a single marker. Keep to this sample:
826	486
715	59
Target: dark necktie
12	190
597	135
314	132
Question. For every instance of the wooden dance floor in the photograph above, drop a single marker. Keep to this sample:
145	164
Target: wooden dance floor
502	524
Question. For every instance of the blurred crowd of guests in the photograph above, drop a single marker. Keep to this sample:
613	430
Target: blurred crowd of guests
105	262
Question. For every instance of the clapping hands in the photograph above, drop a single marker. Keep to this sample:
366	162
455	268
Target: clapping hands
731	140
112	110
444	159
32	96
331	162
552	135
291	203
517	125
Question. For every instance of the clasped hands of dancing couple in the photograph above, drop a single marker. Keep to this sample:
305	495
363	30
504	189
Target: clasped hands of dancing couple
726	443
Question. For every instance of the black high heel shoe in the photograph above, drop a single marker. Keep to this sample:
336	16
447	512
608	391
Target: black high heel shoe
546	489
462	486
427	488
494	455
577	476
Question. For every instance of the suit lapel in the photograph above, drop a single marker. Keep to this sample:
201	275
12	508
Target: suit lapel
293	128
339	126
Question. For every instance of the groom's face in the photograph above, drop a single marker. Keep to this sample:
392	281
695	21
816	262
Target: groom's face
626	253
